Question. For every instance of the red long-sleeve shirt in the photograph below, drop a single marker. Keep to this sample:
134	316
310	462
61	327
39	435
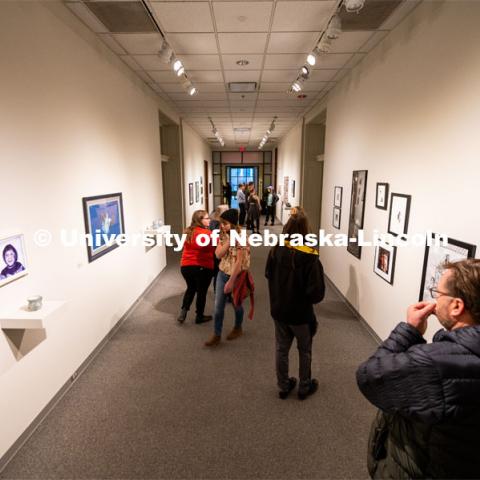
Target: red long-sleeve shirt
194	255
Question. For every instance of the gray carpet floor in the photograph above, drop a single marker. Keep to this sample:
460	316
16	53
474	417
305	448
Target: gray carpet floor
155	403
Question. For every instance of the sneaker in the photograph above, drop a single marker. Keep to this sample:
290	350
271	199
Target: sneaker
183	315
203	319
235	333
311	389
283	394
213	342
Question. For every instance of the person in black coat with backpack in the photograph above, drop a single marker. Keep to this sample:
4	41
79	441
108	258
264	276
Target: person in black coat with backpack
296	283
428	425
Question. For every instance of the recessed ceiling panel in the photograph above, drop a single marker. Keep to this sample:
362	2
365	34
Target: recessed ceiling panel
123	16
254	62
242	42
139	43
373	14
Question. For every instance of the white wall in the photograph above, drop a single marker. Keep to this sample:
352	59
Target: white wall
195	152
409	115
289	165
73	124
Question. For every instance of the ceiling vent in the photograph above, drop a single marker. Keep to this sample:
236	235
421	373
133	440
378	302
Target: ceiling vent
242	87
371	16
123	17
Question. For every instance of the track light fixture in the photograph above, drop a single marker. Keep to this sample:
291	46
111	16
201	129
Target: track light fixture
264	139
216	133
312	57
354	6
177	65
305	72
165	53
334	29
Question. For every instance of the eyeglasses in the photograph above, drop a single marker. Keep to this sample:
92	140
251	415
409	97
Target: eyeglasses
434	293
205	218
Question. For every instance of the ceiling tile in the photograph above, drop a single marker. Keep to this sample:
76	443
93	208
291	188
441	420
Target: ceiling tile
302	15
314	86
151	62
137	43
201	62
242	42
210	87
355	59
230	62
193	43
251	97
207	76
279	75
274	87
242	16
164	76
171	87
201	96
293	42
183	16
287	60
350	42
242	76
322	75
332	60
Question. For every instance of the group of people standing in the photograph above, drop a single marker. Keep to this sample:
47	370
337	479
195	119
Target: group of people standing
295	278
427	394
250	206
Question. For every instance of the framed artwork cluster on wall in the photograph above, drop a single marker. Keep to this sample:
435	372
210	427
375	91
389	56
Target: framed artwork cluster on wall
13	263
337	207
357	211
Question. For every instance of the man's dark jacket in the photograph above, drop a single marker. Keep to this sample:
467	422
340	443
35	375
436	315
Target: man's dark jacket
295	282
429	397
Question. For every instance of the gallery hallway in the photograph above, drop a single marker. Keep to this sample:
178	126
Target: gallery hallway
157	404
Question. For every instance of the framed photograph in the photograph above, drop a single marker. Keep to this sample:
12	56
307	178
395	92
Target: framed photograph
337	213
13	263
384	262
285	188
436	257
103	216
381	198
197	192
337	197
293	188
190	193
357	211
399	213
210	187
201	199
201	180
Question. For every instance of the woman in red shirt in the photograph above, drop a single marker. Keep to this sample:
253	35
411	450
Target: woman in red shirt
197	266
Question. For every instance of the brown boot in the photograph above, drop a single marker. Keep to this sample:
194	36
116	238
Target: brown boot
235	333
214	341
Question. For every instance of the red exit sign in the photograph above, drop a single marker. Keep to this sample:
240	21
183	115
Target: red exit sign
242	149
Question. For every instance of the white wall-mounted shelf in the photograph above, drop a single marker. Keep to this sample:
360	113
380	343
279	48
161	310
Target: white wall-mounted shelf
158	231
21	318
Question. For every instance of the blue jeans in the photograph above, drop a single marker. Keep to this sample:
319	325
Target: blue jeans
220	300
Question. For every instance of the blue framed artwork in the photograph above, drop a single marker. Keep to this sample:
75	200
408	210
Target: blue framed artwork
103	216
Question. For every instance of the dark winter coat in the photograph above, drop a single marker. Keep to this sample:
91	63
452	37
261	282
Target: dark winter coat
296	283
429	397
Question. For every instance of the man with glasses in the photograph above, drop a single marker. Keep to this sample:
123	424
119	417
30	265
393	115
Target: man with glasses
428	425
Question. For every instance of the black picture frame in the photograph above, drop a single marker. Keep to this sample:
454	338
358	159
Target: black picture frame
435	257
337	196
385	269
190	193
399	206
197	192
378	203
110	205
357	211
210	188
339	217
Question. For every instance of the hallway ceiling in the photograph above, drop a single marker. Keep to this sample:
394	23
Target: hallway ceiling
210	37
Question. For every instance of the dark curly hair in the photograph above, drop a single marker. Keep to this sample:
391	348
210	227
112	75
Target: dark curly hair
8	248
